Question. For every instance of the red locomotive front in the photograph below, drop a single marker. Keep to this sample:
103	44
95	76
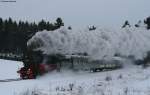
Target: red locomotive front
35	63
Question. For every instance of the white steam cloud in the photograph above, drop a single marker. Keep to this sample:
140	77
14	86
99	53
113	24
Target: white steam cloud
98	44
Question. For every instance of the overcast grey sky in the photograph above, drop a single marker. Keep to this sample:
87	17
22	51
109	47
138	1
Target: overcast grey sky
78	13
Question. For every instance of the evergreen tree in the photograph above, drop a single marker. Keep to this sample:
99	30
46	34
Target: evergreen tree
70	28
126	24
1	24
59	23
147	21
1	34
42	25
92	28
49	26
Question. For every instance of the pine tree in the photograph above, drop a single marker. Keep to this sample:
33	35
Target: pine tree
70	28
42	25
126	24
147	21
1	24
59	23
92	28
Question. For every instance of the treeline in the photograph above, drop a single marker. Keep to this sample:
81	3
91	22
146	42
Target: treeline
14	35
145	21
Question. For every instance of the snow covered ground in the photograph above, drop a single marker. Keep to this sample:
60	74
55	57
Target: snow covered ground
131	80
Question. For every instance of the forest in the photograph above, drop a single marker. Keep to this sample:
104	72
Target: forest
14	35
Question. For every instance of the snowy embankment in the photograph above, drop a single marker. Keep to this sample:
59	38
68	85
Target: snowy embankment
8	69
98	44
131	80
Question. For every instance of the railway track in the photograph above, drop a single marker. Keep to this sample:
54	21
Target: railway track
10	80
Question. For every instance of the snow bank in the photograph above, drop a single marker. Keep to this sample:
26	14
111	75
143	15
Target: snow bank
9	69
98	44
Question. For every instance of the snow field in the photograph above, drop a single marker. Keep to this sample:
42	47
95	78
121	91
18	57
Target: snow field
119	82
9	69
131	80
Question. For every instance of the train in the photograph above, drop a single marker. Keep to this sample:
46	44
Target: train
37	64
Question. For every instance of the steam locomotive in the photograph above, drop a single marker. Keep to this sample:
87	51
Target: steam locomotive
36	64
